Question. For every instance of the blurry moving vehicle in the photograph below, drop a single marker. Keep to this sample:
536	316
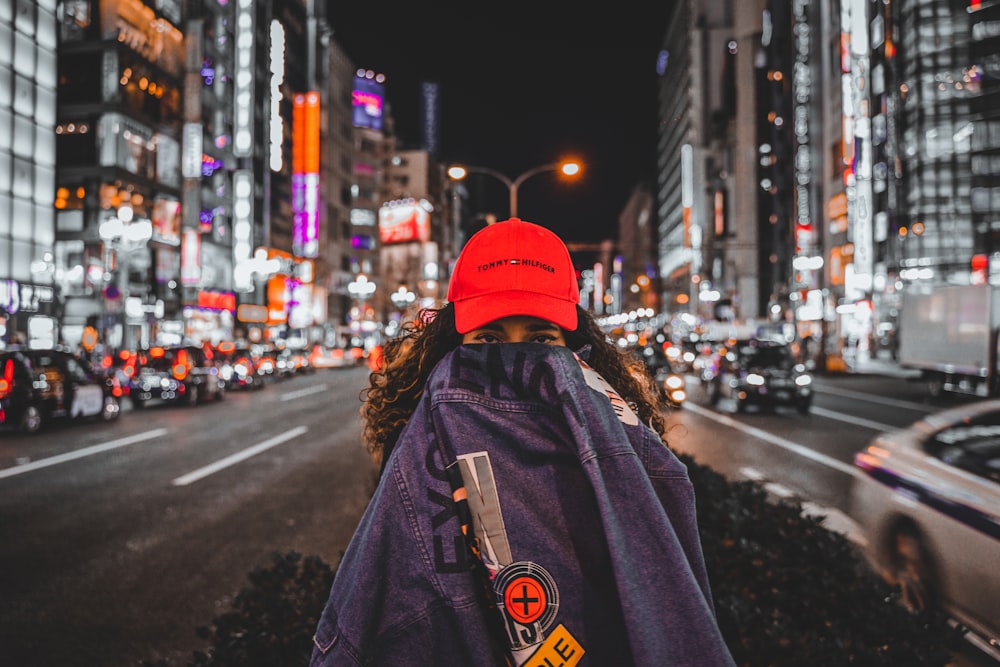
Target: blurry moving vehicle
682	355
292	361
664	372
237	366
949	333
37	386
928	501
673	385
183	373
760	372
325	357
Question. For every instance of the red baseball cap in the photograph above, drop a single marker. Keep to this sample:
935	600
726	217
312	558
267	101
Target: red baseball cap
514	267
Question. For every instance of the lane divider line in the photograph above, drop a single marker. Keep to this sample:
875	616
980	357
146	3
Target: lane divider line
303	392
80	453
238	457
850	419
793	447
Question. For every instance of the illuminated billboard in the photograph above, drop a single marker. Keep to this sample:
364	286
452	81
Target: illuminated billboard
404	220
305	174
368	101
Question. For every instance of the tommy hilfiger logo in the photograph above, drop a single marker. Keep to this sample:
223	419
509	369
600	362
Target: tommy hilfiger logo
496	264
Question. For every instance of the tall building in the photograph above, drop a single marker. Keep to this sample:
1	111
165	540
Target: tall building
333	267
120	105
30	305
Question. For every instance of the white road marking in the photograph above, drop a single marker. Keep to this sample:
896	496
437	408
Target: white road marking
238	457
793	447
80	453
303	392
871	398
835	520
851	419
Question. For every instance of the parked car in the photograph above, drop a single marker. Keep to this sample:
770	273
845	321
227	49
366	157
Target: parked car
760	372
183	373
237	366
37	386
928	503
292	361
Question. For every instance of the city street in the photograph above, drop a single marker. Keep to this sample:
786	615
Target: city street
118	540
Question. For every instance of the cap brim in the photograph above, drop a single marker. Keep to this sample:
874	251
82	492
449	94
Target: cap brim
475	312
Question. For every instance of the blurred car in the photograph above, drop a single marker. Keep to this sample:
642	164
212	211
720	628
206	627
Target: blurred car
183	373
673	385
682	355
664	373
237	366
292	361
928	503
759	372
123	366
266	358
37	386
324	357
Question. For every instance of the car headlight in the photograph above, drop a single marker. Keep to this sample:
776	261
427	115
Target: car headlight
755	379
803	380
673	382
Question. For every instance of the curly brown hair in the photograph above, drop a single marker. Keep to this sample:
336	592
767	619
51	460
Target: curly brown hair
395	388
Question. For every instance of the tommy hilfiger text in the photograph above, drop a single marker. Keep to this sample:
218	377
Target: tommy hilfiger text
516	262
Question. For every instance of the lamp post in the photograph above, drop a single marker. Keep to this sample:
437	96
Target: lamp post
568	168
121	235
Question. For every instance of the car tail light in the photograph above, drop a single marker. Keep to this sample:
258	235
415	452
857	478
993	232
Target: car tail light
181	367
7	381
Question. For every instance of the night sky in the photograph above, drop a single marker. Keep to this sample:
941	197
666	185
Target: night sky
521	85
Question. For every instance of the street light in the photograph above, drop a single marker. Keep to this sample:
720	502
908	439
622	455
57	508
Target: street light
121	233
566	167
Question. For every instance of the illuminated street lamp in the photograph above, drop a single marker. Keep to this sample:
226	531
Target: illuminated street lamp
567	168
121	234
402	298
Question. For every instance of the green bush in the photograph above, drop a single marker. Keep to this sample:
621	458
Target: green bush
788	592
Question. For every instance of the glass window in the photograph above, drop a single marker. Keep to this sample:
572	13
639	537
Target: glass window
45	108
24	55
5	268
76	371
24	137
25	17
45	146
973	446
77	75
22	186
24	95
45	75
6	89
20	260
22	219
6	135
5	216
6	43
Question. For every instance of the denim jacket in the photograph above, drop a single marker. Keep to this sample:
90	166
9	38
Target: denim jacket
585	520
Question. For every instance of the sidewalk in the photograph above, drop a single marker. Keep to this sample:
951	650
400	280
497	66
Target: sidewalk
881	364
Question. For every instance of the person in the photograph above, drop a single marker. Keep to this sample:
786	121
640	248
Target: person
528	509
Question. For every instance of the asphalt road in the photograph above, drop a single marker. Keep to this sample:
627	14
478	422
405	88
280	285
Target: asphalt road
118	540
117	556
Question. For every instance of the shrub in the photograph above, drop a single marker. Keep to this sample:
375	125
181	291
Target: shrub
788	592
273	621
